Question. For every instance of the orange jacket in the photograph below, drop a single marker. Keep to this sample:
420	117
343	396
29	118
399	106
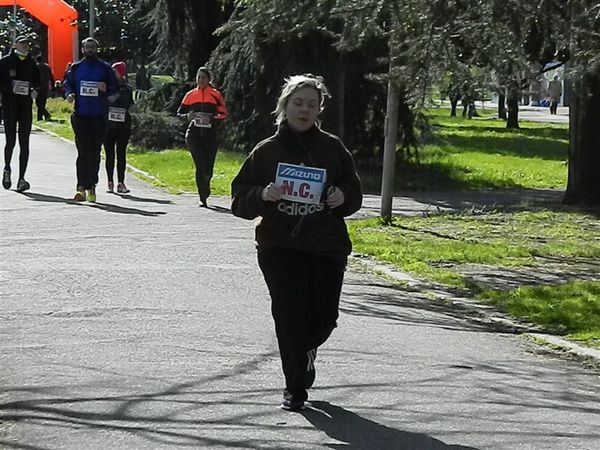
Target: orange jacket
208	103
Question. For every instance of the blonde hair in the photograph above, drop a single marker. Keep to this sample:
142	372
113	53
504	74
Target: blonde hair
294	83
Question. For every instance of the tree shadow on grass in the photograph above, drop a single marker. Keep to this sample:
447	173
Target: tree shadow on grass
416	177
538	132
521	146
358	433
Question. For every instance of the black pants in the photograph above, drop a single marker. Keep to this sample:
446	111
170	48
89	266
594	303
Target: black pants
89	134
204	152
119	138
553	106
13	114
40	102
305	293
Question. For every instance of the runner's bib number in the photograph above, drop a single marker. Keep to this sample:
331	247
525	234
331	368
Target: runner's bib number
88	89
20	87
300	183
202	120
116	114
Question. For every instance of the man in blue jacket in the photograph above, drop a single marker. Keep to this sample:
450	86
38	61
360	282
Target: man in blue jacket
90	83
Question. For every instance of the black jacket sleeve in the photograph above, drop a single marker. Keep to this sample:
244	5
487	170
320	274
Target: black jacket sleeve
246	189
349	183
36	78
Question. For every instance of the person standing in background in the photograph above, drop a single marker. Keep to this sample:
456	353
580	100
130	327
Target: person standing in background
90	84
204	107
554	92
119	130
46	85
19	84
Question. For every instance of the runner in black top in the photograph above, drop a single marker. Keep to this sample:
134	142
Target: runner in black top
19	83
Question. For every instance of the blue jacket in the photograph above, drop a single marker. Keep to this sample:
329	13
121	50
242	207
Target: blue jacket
81	81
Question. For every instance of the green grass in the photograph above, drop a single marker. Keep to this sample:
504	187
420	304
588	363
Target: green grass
572	308
438	248
175	169
483	154
60	124
508	239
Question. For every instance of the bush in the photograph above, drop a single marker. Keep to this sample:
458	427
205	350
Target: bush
157	131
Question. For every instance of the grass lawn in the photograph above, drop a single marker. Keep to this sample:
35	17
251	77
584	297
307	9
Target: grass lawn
483	154
174	169
441	247
60	123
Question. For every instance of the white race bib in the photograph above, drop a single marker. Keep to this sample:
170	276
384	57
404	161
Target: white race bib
116	114
20	87
300	183
202	120
88	89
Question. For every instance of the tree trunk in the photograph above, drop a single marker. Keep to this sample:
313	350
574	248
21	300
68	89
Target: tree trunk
512	102
501	106
583	187
389	148
341	97
513	113
453	104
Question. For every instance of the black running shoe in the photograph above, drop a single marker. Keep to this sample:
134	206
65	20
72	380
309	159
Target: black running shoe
22	185
6	183
290	404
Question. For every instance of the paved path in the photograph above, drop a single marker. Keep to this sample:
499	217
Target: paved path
526	112
142	322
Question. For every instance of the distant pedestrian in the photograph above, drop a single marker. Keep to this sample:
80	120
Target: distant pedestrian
46	86
119	130
19	84
554	92
90	83
468	101
205	109
302	240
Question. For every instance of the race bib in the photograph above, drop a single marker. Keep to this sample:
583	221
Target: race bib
300	183
88	89
116	114
202	120
20	87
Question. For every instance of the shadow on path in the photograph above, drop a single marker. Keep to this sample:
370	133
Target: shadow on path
359	433
412	306
171	425
15	445
219	209
104	206
144	199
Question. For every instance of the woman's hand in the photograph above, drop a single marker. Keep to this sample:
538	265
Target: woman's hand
335	197
271	193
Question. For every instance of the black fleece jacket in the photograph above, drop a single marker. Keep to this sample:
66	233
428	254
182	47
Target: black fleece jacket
313	229
14	68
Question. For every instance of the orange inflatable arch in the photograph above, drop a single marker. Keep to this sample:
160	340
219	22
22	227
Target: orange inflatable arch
61	20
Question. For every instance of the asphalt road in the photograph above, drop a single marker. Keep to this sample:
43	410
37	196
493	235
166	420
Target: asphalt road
142	322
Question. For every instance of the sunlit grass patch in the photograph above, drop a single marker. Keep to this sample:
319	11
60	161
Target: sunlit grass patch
436	247
572	308
175	169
